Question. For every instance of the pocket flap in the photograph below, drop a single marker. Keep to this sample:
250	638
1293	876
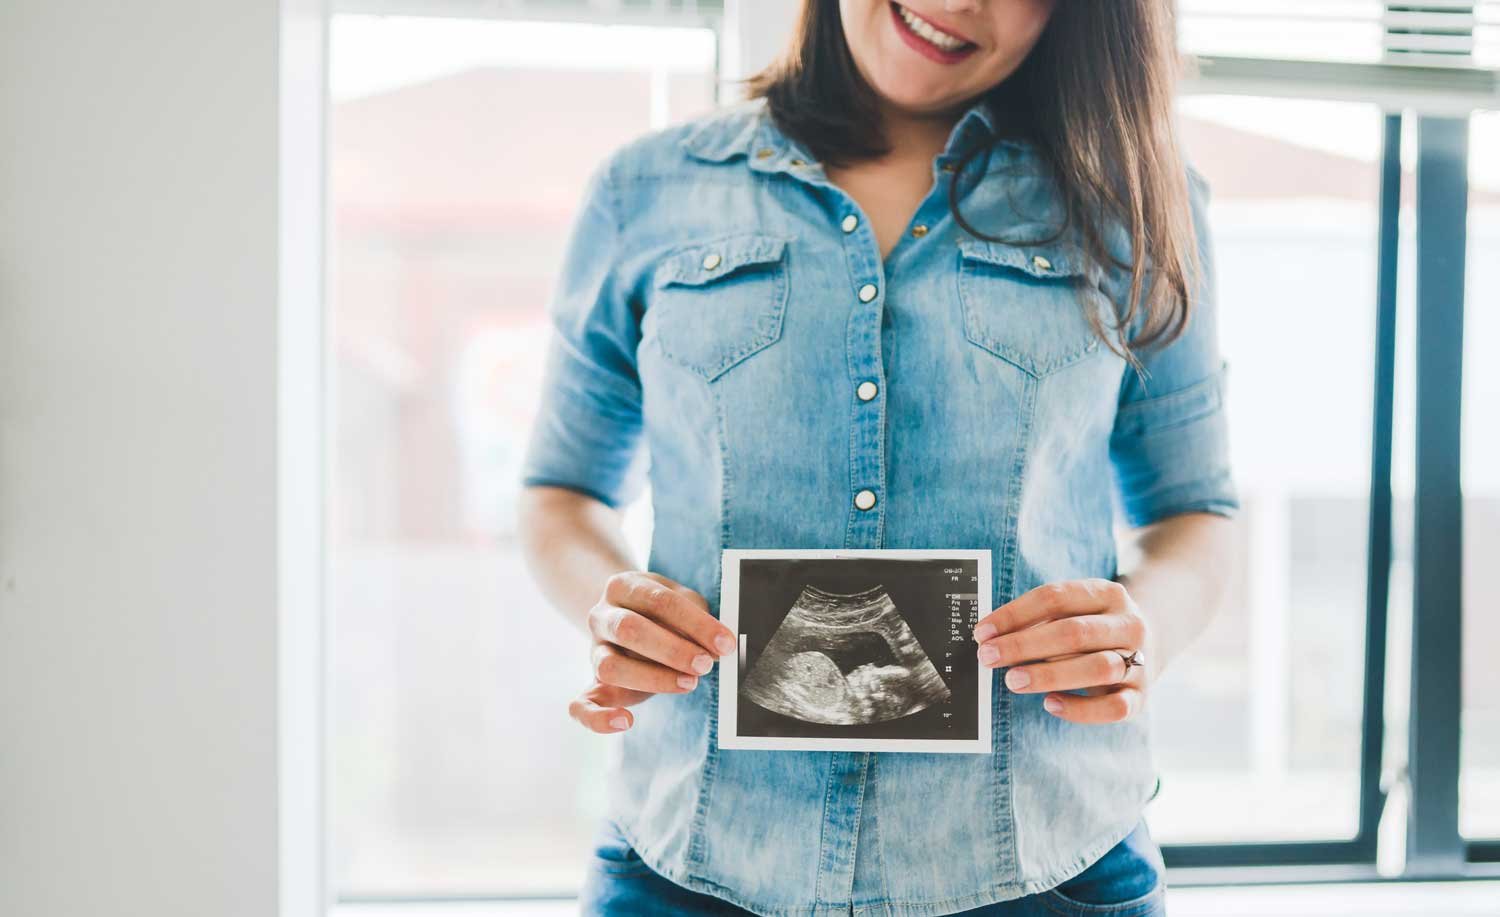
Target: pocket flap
705	262
1051	260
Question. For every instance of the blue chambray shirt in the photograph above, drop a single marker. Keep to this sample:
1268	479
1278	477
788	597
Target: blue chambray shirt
726	328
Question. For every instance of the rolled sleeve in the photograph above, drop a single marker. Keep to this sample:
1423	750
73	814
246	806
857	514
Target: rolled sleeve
1170	443
587	433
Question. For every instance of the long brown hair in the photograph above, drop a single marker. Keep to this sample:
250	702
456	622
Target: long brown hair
1094	96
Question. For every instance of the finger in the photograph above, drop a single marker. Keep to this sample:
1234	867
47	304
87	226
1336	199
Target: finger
646	639
1134	677
601	708
1102	667
692	594
612	667
616	696
1050	600
671	605
1082	633
1110	705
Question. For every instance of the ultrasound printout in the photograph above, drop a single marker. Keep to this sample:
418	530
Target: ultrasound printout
855	650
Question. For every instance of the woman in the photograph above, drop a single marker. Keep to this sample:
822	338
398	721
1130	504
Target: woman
942	281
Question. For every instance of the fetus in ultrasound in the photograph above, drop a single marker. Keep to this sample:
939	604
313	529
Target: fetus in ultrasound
844	659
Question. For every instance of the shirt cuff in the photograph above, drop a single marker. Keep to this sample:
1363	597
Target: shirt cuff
587	432
1171	453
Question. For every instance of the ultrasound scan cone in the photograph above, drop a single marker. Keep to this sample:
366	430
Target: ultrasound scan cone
844	659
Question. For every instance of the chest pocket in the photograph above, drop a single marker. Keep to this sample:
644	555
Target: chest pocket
1022	303
717	302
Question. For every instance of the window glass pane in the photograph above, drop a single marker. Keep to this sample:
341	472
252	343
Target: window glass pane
1257	726
1479	783
458	153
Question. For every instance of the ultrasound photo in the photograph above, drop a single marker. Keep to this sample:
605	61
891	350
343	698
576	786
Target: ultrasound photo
855	650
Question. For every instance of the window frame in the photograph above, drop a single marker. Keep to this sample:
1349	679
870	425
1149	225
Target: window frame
1434	847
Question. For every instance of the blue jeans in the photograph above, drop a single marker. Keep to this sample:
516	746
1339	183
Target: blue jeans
1128	881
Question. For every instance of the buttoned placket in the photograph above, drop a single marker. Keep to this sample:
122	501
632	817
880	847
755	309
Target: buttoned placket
866	379
849	772
846	787
775	153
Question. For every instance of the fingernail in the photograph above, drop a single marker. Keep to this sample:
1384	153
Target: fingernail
988	655
702	663
686	682
1017	678
619	722
725	643
1052	704
985	631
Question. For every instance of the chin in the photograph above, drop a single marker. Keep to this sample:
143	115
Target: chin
910	95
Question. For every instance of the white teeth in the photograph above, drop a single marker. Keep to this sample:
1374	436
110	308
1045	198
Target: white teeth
920	26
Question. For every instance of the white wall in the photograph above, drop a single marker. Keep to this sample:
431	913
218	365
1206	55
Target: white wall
755	31
158	563
138	458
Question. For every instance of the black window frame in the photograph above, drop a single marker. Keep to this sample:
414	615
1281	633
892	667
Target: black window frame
1434	845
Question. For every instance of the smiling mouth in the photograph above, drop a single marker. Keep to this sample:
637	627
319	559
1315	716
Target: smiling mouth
948	45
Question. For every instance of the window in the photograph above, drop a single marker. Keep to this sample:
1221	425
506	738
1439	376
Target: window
1427	787
458	151
457	155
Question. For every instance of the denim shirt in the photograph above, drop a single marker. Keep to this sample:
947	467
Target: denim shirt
725	327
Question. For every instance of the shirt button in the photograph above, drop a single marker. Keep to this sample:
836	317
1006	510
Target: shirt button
850	222
764	152
711	261
919	230
867	390
1042	264
867	292
864	499
948	167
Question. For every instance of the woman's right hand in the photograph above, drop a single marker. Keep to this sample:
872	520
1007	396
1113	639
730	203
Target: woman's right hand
650	635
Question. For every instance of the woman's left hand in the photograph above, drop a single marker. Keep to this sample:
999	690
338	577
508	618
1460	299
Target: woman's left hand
1072	634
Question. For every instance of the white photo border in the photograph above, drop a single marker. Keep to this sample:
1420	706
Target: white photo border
728	675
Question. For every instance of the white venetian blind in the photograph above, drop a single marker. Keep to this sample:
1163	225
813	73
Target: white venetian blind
663	12
1460	34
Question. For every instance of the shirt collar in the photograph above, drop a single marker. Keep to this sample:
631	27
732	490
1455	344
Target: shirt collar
978	120
746	128
727	131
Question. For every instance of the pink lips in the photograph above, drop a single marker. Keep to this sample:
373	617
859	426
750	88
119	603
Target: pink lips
924	47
